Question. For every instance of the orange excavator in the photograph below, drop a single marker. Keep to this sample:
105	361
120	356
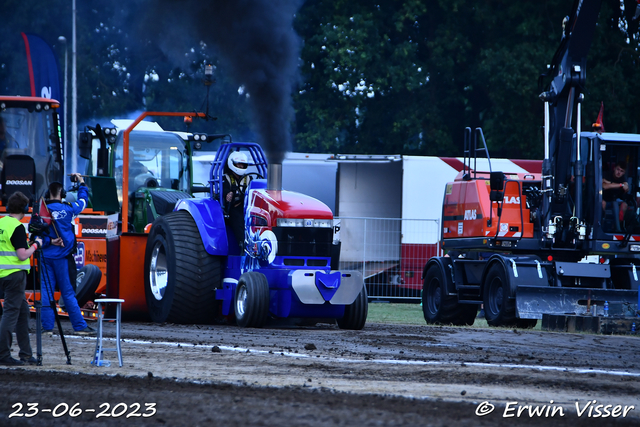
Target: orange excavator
563	241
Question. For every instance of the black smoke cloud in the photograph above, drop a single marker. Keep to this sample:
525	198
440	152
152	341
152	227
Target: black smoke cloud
255	39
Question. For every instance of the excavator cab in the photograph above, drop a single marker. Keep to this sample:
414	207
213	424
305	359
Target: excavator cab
612	184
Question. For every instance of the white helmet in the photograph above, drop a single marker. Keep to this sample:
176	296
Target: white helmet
238	163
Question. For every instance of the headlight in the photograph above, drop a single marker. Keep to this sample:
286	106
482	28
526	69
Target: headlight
315	223
323	223
290	222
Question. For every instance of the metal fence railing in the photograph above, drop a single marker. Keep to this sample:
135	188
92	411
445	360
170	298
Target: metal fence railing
390	252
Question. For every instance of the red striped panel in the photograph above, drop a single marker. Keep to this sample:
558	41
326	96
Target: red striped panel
532	166
453	162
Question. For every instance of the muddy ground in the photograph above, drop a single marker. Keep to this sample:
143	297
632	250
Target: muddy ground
384	375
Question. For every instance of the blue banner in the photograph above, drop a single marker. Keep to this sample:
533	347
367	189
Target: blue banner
44	76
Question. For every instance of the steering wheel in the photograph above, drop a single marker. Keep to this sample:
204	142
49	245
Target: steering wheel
145	179
256	175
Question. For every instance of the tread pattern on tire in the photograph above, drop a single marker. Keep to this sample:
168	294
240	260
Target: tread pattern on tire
507	314
196	274
451	312
85	290
257	308
355	314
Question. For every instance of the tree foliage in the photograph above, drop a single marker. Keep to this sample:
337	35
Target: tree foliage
375	77
431	68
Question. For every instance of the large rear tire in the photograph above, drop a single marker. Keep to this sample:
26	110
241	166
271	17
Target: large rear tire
499	306
355	314
252	300
180	276
440	308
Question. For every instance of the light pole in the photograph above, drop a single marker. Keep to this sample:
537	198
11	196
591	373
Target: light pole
74	96
63	40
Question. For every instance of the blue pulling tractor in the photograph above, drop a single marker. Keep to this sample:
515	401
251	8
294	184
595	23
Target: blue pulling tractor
285	268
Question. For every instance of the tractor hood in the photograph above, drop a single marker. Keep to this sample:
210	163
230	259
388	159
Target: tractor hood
274	204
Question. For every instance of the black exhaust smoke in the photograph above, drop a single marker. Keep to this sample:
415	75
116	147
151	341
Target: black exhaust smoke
256	41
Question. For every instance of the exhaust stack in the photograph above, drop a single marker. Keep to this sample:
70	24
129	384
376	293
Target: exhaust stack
274	180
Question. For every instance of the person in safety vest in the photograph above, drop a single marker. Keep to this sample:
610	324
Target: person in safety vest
58	245
15	251
234	187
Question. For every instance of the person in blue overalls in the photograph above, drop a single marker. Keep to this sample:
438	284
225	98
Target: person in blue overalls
58	245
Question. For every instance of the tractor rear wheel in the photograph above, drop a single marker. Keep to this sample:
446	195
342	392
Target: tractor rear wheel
180	276
499	306
252	300
355	314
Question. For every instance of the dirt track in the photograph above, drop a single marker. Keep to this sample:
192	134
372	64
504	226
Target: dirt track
323	376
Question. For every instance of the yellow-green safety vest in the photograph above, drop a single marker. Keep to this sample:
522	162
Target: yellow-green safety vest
9	262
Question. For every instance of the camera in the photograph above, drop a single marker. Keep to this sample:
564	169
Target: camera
74	178
37	227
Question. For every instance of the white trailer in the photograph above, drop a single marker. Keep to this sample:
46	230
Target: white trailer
389	208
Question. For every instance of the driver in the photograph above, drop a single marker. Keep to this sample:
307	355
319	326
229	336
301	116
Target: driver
135	166
234	186
614	189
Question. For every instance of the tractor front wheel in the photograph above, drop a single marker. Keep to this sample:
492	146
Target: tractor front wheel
252	300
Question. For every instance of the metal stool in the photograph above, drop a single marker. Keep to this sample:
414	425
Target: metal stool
99	348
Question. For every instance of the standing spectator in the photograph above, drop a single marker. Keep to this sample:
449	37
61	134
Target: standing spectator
59	244
14	266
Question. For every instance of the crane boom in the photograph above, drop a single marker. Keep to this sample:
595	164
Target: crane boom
568	71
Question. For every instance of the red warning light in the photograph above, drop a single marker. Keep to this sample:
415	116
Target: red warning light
550	258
